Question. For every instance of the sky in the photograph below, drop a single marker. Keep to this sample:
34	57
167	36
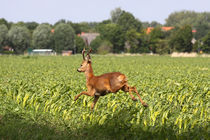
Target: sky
94	10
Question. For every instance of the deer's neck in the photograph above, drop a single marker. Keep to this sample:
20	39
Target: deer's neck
89	73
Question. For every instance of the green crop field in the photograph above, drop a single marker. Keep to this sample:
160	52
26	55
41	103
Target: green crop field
37	99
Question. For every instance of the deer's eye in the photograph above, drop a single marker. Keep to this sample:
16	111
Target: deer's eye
81	65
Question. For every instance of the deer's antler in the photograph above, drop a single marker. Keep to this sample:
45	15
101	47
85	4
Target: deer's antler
88	54
83	53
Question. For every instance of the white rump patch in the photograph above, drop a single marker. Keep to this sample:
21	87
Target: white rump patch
121	78
97	94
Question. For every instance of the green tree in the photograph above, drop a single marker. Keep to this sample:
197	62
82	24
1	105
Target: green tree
31	25
59	22
3	21
19	38
96	43
76	27
128	21
63	36
156	33
202	29
108	21
84	26
101	25
80	44
154	39
42	37
198	21
113	33
133	40
162	46
3	35
180	40
145	25
206	43
144	44
115	14
181	18
155	24
105	47
20	23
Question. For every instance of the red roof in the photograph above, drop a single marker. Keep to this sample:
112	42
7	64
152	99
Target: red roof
194	31
167	28
149	29
53	30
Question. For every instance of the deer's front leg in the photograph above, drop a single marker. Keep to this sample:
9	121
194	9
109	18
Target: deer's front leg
95	101
84	92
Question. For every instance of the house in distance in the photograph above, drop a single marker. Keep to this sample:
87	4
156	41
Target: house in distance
42	52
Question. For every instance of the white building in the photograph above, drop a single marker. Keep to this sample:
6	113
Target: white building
43	52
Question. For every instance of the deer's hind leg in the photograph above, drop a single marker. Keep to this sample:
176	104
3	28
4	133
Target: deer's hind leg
130	89
126	89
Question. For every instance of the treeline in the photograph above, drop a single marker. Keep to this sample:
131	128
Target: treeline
121	33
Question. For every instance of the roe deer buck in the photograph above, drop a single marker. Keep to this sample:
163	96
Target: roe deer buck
106	83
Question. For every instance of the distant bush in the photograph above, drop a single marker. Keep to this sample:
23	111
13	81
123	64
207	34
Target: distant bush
105	47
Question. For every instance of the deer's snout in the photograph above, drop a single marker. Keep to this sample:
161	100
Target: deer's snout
79	70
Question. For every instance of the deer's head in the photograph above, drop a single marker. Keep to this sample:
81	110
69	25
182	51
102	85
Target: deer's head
86	61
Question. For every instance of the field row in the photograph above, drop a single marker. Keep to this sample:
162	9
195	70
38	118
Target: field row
39	91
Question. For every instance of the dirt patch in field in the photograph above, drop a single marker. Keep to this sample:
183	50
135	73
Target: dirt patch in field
175	54
133	54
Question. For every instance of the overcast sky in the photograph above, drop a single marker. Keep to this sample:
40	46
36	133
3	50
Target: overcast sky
94	10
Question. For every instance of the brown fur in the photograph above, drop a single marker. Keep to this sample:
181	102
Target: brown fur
106	83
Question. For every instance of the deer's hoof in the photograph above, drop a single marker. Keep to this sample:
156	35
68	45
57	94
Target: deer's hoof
134	99
92	108
144	104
